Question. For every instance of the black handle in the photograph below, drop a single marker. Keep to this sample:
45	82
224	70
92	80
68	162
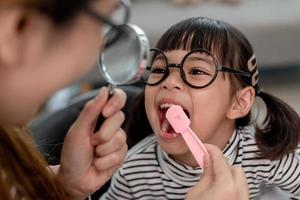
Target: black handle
101	118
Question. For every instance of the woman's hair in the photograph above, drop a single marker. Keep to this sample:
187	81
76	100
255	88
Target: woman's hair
23	170
60	11
279	134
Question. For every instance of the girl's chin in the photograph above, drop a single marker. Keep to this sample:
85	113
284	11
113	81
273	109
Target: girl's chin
177	151
172	143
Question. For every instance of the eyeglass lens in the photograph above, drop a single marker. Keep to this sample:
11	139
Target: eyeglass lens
197	68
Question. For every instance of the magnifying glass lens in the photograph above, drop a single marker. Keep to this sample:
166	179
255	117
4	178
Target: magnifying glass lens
123	62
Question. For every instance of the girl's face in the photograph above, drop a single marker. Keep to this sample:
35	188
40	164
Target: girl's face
44	57
207	109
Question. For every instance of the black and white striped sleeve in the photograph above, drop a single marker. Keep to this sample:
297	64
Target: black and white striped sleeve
285	174
119	188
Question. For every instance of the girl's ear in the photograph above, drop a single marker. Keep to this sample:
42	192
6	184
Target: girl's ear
241	103
12	23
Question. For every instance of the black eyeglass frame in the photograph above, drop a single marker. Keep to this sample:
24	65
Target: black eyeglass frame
103	19
219	68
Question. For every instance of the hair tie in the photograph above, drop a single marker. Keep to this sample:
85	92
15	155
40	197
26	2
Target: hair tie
258	90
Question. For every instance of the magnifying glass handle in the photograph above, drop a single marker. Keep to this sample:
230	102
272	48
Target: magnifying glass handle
111	88
101	118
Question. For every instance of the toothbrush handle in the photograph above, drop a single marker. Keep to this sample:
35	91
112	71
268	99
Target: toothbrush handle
195	145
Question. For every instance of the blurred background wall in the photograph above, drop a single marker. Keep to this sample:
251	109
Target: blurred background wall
272	26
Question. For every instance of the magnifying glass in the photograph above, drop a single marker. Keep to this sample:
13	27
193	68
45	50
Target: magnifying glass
124	58
124	61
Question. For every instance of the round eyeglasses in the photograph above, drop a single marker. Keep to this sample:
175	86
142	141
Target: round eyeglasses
119	17
198	68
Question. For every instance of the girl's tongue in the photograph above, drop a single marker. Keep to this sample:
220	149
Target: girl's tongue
167	130
166	126
164	123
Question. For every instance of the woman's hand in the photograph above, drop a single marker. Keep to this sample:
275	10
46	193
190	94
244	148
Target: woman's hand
219	180
89	159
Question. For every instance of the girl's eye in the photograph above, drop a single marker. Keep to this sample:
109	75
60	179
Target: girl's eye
158	70
197	71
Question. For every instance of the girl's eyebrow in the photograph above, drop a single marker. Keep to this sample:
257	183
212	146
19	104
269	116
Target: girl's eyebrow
159	57
205	59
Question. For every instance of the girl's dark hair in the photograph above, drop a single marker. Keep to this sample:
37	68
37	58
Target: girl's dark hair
279	134
137	127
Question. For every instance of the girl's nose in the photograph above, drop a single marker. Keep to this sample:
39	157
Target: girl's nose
173	81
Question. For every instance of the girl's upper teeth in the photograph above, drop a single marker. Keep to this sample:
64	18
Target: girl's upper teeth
166	105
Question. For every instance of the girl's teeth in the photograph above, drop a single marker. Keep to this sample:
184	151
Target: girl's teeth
166	105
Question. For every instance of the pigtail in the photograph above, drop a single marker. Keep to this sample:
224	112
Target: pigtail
280	131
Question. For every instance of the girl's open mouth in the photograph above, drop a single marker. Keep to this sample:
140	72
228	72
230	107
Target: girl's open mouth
167	131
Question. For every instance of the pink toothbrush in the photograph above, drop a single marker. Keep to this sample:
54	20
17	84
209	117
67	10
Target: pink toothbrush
181	124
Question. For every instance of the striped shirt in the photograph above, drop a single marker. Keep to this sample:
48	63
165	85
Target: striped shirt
149	172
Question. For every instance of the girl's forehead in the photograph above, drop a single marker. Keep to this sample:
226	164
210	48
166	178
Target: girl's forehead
178	54
175	55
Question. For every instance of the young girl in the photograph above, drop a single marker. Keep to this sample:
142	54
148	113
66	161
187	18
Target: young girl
209	68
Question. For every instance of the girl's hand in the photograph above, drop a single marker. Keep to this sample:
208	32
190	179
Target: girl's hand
89	159
219	180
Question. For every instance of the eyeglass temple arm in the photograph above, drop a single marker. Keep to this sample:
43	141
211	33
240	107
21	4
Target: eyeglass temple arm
101	18
234	71
127	6
106	20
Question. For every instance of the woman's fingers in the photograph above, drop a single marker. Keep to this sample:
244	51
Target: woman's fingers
219	180
101	104
87	118
109	127
115	103
112	160
220	169
207	177
240	182
88	159
214	164
116	143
